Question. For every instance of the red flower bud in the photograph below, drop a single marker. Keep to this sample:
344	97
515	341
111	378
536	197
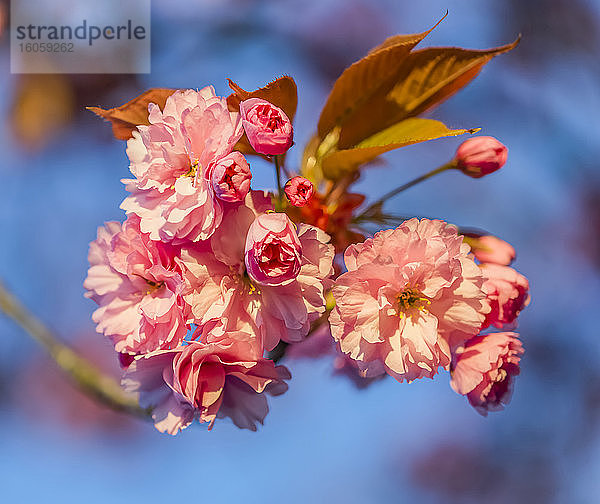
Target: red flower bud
299	191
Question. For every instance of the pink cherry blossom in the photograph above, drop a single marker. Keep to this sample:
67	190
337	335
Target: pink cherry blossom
267	127
507	293
206	381
230	177
170	160
481	156
299	191
490	249
222	293
485	368
410	295
138	285
273	252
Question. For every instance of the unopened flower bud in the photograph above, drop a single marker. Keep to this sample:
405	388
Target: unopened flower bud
490	249
267	127
299	191
481	156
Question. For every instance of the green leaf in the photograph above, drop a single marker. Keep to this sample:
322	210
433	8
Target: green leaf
407	132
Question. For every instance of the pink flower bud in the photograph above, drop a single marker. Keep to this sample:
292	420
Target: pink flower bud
507	294
490	249
230	177
481	156
299	191
485	368
268	129
273	251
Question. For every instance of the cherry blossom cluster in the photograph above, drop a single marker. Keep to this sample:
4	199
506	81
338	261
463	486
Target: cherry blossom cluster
204	277
416	299
207	276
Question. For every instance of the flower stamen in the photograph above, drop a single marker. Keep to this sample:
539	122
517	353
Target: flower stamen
153	286
410	299
193	169
247	285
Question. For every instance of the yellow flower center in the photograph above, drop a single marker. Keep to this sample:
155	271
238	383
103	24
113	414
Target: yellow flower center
153	286
252	289
193	169
410	299
246	283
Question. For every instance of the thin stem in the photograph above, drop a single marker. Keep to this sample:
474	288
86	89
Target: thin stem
378	204
278	176
85	375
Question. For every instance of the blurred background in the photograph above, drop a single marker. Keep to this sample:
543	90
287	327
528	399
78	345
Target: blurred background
326	440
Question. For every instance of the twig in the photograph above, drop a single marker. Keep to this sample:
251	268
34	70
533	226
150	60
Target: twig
83	373
376	206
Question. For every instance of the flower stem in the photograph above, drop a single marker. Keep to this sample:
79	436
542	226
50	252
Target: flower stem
376	206
278	176
83	373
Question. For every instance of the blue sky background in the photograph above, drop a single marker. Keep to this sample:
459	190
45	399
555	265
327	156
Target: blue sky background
325	440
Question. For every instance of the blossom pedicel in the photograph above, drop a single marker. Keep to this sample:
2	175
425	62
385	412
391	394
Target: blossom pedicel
205	285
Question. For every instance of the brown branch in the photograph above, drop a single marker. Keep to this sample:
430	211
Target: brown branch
82	372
